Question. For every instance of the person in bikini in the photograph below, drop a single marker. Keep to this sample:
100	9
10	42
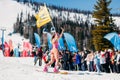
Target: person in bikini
54	52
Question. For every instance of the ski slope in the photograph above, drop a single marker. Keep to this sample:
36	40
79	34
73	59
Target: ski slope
8	14
12	68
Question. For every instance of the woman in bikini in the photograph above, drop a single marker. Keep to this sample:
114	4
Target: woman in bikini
54	52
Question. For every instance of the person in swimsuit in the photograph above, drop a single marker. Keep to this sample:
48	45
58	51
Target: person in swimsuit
54	52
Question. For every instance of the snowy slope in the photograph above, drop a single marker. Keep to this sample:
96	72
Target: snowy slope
22	68
12	68
72	16
78	17
8	14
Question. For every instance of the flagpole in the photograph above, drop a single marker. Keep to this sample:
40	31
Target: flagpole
52	23
50	16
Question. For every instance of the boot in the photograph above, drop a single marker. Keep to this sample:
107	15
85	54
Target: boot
45	69
55	70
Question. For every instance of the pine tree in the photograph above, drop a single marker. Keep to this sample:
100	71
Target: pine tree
21	24
103	20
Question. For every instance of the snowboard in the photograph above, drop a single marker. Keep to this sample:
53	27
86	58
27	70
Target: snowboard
60	72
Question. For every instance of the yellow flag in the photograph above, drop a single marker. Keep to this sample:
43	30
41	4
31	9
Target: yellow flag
42	17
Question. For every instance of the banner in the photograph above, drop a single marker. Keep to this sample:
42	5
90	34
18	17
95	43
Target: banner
61	44
37	39
7	49
114	39
70	42
42	17
49	37
11	45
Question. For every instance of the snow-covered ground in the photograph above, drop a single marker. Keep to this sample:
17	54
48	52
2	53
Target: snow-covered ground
12	68
9	10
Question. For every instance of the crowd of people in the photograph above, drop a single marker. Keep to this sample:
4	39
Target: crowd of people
100	61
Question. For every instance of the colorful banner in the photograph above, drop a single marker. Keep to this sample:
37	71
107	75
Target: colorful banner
61	44
7	49
70	42
11	45
49	37
37	39
114	39
42	17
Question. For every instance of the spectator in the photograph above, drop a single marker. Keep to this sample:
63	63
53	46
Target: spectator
102	61
83	62
89	59
70	60
66	61
97	61
78	61
112	62
107	58
39	55
118	62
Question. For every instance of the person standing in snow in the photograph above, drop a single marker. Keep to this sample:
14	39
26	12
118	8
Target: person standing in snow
78	61
103	61
65	60
54	52
107	58
118	62
70	60
39	55
97	61
90	60
83	61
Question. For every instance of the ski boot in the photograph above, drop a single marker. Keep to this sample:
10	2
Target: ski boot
45	69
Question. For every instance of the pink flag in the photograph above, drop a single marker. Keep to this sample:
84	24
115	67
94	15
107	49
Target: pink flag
27	47
7	50
11	45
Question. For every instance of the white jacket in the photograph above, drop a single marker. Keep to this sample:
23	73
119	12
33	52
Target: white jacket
102	58
117	59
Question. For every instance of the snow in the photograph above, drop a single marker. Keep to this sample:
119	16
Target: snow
8	16
12	68
117	21
78	17
9	13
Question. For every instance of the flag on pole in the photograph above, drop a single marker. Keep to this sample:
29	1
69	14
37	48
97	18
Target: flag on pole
42	17
37	39
70	42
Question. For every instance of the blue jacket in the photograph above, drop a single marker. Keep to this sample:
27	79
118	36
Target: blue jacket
78	59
